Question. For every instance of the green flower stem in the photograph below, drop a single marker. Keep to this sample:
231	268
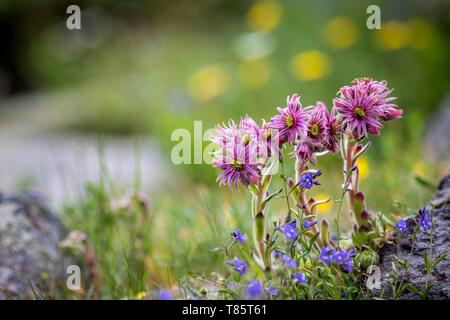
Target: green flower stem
356	199
259	221
302	199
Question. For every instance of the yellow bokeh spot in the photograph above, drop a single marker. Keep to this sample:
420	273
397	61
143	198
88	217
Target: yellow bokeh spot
419	168
423	34
393	35
340	33
310	65
363	167
264	15
254	73
208	83
324	208
141	295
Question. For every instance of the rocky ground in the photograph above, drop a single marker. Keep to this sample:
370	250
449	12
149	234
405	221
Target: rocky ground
416	274
31	263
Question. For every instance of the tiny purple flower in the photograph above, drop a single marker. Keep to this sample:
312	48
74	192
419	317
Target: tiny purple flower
344	258
165	295
307	179
288	262
238	265
238	237
325	256
308	224
424	220
273	291
339	257
290	231
401	226
254	290
276	254
300	278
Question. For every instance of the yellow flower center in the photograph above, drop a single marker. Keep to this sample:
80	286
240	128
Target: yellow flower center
237	165
289	121
314	130
360	113
245	139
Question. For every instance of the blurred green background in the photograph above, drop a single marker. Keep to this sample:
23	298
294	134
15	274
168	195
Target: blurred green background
146	68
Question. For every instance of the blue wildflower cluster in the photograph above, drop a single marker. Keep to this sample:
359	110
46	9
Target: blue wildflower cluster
290	230
401	226
423	219
344	258
307	180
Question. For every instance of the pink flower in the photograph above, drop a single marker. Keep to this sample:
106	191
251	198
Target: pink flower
333	131
239	151
305	152
291	121
363	106
316	126
269	140
235	167
391	113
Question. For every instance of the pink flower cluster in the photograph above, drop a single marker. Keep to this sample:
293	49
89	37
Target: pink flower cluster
244	148
363	105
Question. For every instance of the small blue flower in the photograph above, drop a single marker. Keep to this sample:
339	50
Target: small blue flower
347	265
307	179
238	237
307	224
165	295
288	262
299	278
424	220
339	257
273	291
290	230
325	256
345	259
254	290
238	265
401	226
276	254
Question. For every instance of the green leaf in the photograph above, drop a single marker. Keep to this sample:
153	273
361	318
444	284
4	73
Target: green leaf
427	262
414	290
426	290
438	260
312	240
271	196
230	292
425	182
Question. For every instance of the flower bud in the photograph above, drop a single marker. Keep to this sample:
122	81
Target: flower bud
366	259
391	114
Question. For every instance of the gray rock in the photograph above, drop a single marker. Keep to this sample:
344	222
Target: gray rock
416	274
31	264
